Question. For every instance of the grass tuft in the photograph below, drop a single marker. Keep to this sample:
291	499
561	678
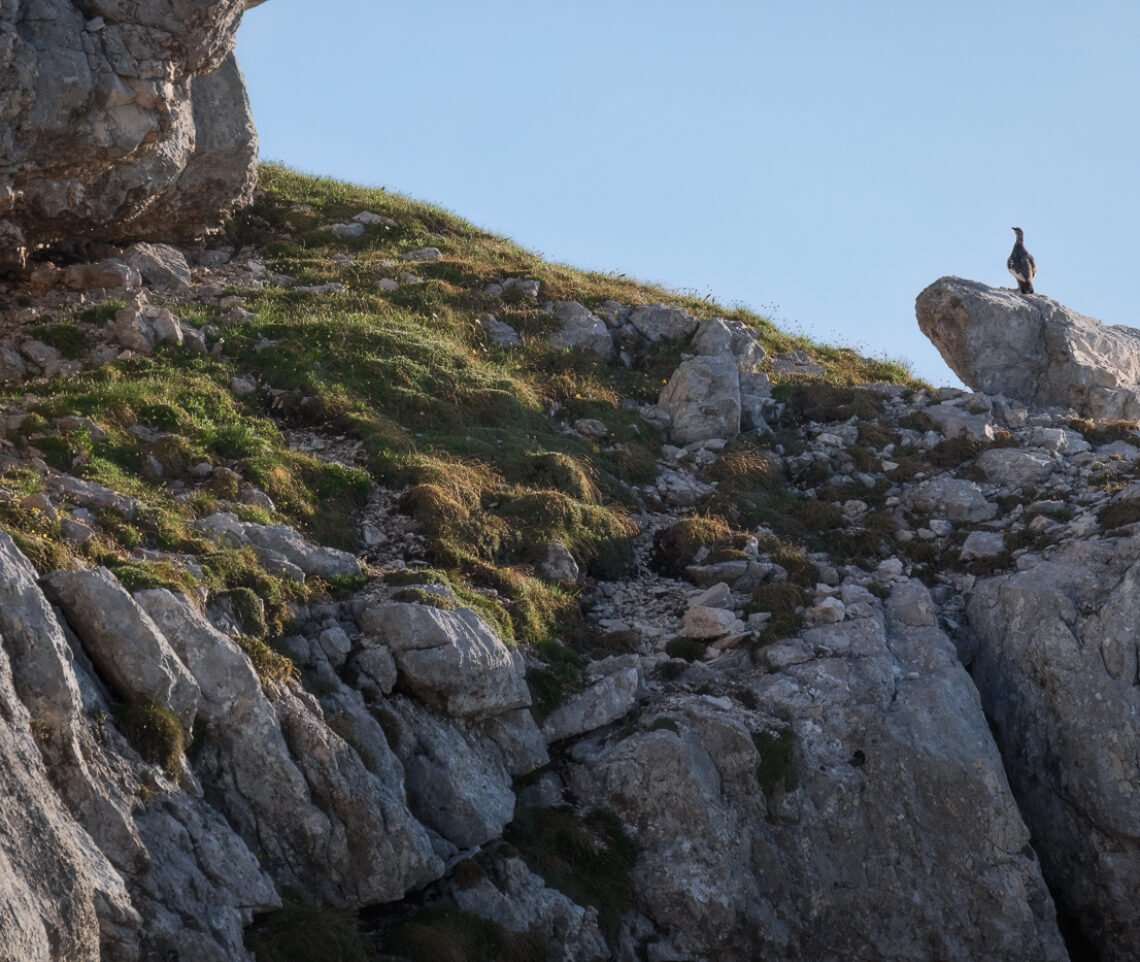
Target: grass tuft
156	734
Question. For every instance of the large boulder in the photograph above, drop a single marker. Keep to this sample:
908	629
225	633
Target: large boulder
127	648
120	121
703	399
579	328
1056	666
1032	349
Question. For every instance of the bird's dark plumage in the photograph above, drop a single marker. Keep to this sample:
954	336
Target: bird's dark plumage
1021	264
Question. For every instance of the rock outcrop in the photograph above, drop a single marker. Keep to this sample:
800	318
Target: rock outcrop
1032	349
760	739
120	121
862	727
1057	668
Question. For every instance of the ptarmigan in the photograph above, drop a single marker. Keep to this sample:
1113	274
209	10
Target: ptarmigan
1021	264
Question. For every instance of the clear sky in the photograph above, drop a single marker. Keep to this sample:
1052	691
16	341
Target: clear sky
820	161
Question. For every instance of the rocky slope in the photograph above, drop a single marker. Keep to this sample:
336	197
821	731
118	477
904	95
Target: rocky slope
370	585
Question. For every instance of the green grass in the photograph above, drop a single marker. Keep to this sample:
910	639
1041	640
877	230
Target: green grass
464	426
301	932
155	732
449	934
588	857
777	766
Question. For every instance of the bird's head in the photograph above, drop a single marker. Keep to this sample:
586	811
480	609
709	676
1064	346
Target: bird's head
1020	234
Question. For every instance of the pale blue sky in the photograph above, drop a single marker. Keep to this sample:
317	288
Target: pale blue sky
821	161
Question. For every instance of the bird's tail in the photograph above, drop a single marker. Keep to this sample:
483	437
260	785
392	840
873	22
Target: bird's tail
1026	287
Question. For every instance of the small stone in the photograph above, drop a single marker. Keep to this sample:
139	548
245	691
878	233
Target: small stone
336	645
525	286
239	315
982	544
423	254
502	334
828	612
161	265
657	322
42	503
706	622
77	532
718	596
388	284
167	328
346	231
591	428
108	274
256	498
559	564
242	385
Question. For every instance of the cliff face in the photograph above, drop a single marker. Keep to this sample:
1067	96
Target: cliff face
500	604
120	120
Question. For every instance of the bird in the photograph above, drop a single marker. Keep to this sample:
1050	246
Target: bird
1021	263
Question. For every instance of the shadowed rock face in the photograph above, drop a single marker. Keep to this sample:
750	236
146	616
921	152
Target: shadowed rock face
119	121
1032	349
1057	672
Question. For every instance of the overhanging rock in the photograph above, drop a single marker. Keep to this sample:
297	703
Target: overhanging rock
1032	349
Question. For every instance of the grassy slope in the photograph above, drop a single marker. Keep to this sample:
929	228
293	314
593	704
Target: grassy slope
440	409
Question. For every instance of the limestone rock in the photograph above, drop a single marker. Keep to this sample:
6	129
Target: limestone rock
874	725
162	266
282	544
610	697
457	785
102	132
111	273
716	335
1056	668
60	898
519	739
422	254
580	328
125	645
756	404
982	544
132	328
375	668
302	799
703	621
502	334
955	422
451	659
559	564
512	895
703	399
953	498
91	494
1032	349
660	322
1015	468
